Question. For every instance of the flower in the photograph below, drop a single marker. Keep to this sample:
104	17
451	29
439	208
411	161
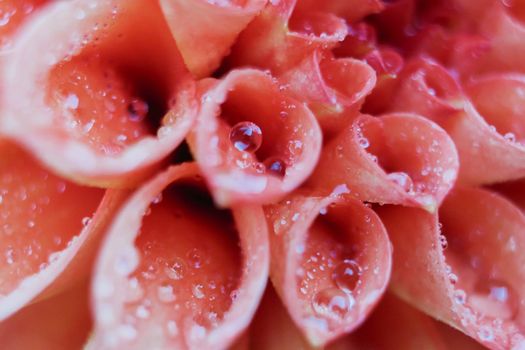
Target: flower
262	174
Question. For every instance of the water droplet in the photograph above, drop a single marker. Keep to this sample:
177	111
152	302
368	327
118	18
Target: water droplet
246	136
346	275
61	187
171	327
127	331
137	109
460	297
332	303
134	291
157	199
127	261
175	270
165	293
485	333
510	137
402	179
194	258
275	166
71	101
363	142
453	278
142	312
260	168
323	211
443	241
197	291
85	221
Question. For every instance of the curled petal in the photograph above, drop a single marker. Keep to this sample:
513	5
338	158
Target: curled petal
280	37
469	274
206	30
239	166
387	64
176	272
330	263
428	89
334	89
38	327
395	159
106	103
48	236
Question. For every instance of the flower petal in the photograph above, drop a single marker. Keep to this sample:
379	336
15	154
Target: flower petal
84	83
290	146
330	263
206	30
38	327
280	37
476	283
171	274
396	158
48	236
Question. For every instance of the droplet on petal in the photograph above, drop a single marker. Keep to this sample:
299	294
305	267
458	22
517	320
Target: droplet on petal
346	275
137	109
332	303
402	179
275	166
246	136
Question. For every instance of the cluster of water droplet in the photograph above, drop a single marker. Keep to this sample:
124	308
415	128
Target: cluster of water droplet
247	137
336	302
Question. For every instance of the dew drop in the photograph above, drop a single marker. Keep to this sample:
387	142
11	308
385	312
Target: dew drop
172	329
246	136
275	166
134	291
175	270
71	101
403	180
510	137
460	297
85	221
165	293
332	303
197	291
137	109
195	259
142	312
157	199
127	332
363	142
346	275
126	261
485	334
443	241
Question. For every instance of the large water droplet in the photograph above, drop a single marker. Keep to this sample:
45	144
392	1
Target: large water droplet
332	303
402	179
275	166
346	275
246	136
